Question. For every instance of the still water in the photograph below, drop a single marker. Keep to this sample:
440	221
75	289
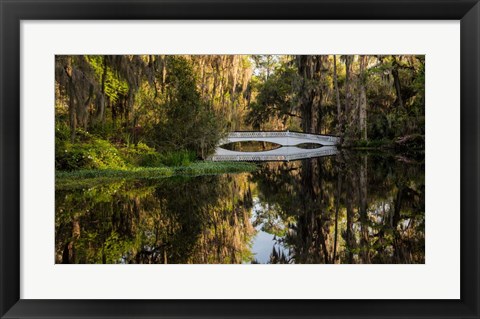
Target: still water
348	208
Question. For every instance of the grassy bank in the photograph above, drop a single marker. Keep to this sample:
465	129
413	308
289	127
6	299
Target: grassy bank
91	177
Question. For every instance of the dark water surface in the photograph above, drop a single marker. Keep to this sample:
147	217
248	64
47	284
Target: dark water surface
349	208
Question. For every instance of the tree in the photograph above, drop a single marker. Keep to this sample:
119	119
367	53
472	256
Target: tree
188	122
310	69
275	99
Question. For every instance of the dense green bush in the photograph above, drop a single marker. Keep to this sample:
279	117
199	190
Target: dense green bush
178	158
94	153
141	155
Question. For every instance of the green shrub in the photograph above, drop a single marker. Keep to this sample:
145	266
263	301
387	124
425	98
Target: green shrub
178	158
93	153
141	155
62	132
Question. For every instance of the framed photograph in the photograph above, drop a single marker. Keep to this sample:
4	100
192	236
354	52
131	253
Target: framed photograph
239	159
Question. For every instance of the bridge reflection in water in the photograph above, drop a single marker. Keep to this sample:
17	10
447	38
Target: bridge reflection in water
288	152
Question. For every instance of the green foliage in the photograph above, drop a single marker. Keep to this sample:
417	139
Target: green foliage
172	110
275	97
114	86
189	124
93	177
62	132
125	160
98	154
141	155
172	220
386	119
90	153
178	158
265	64
381	143
114	248
304	87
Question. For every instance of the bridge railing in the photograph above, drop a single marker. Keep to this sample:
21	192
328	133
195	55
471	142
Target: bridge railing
313	137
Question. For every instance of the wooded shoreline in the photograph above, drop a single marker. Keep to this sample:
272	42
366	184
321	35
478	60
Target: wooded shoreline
124	111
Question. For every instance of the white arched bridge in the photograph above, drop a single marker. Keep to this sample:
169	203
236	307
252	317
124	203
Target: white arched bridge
284	138
288	151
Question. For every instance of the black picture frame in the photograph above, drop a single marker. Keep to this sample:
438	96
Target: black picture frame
13	11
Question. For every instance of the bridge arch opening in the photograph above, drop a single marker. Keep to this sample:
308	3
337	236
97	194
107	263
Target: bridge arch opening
250	146
309	146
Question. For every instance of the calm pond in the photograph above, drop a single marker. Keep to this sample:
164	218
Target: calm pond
352	207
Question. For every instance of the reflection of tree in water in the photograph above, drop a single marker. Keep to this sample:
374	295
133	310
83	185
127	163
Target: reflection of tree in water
350	208
370	210
197	220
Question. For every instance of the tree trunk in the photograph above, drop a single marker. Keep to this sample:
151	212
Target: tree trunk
350	242
362	101
164	72
363	184
347	88
337	207
309	68
71	111
337	95
396	81
71	99
100	116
